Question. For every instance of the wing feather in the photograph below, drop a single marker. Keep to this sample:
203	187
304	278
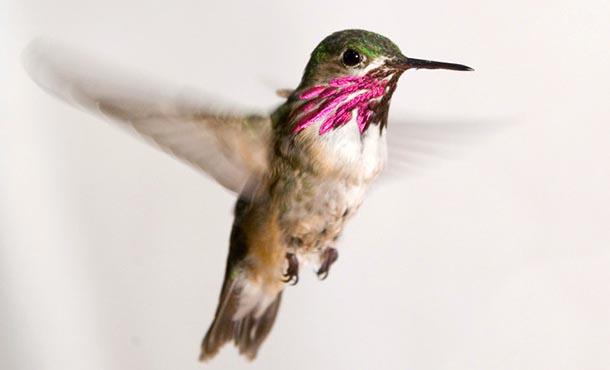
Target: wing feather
230	147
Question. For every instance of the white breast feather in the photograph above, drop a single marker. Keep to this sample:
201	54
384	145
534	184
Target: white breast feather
365	153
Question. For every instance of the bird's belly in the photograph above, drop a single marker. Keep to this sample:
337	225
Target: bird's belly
312	219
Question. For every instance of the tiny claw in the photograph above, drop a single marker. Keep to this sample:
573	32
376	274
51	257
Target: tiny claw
322	275
292	272
329	256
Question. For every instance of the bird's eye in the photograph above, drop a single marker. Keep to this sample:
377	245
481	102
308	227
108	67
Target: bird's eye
351	57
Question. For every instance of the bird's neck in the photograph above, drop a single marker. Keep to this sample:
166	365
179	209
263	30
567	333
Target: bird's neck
363	99
342	153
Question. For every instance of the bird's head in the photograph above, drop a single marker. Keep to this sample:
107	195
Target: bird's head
351	75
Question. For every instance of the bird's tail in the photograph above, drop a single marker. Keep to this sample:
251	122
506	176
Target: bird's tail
244	315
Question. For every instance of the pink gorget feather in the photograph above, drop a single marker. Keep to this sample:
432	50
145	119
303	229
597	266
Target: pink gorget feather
336	101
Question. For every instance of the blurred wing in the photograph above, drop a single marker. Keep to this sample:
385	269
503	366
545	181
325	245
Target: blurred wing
227	146
418	142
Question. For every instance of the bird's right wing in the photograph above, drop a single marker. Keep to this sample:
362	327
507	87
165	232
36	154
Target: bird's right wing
231	148
419	142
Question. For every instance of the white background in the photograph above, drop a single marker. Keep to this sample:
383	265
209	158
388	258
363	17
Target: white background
112	253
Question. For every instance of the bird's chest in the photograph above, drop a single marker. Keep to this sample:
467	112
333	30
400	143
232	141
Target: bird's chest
345	152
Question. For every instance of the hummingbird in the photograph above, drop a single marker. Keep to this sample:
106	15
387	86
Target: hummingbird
300	173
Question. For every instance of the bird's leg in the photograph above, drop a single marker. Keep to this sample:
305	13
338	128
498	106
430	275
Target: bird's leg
292	272
329	256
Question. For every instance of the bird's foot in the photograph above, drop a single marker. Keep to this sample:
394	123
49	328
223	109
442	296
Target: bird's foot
292	272
329	256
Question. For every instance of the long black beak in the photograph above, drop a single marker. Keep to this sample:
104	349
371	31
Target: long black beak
408	63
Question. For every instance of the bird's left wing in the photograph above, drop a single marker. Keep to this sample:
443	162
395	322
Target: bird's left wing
232	148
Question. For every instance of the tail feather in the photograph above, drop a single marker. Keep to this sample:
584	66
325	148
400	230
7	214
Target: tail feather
247	332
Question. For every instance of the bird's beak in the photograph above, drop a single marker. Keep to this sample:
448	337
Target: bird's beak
405	63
